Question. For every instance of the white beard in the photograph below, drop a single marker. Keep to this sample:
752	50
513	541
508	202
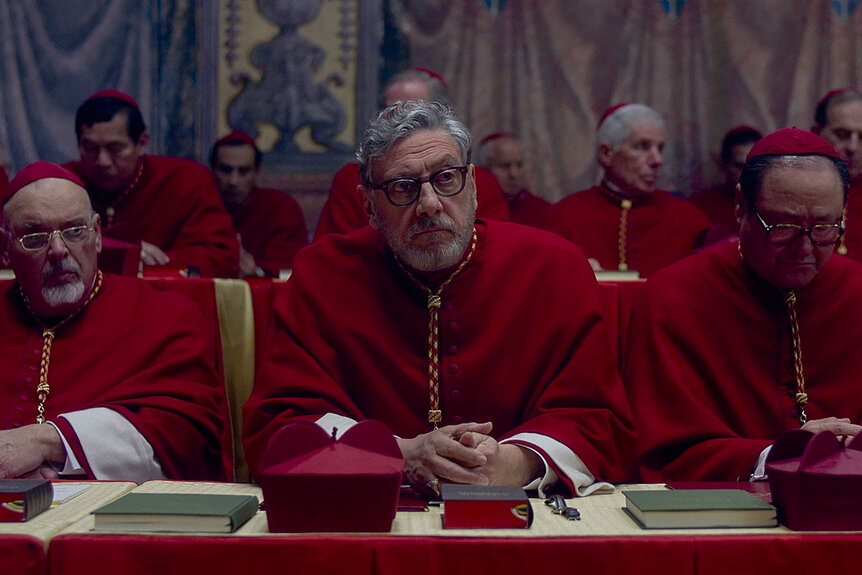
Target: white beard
67	293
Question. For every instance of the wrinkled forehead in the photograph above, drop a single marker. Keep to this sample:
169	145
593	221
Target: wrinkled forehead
46	201
430	148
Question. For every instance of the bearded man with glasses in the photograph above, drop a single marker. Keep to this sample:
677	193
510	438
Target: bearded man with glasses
741	342
101	376
480	344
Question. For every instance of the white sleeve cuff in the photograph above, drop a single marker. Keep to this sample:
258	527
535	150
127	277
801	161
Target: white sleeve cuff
71	467
759	473
115	450
565	459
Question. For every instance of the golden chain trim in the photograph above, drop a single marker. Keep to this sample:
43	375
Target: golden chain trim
111	209
801	396
625	205
435	414
48	334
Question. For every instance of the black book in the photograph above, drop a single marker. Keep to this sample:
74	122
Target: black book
23	499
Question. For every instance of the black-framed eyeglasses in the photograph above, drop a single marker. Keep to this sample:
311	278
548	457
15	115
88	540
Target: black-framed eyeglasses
40	240
782	234
447	182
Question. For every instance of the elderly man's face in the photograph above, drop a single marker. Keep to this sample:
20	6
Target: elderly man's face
433	232
634	167
234	173
843	130
109	157
507	165
57	278
805	193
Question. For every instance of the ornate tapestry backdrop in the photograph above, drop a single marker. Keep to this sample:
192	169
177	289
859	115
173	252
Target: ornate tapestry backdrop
544	69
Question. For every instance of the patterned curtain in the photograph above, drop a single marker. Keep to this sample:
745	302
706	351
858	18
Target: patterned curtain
55	53
546	69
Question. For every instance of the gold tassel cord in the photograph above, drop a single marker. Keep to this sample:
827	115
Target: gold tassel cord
43	389
435	414
625	206
801	395
110	211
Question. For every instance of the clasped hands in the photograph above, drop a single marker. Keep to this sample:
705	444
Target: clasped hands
841	427
465	453
25	451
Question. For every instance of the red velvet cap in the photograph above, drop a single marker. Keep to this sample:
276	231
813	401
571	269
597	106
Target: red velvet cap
314	483
741	129
434	75
237	136
497	136
816	480
610	111
117	95
792	142
38	171
831	94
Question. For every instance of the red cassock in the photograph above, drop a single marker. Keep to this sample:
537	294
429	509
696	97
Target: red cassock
660	228
521	337
530	210
343	211
718	205
710	363
4	179
136	350
272	228
176	207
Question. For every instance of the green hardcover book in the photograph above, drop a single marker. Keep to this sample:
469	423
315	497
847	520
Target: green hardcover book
176	513
698	508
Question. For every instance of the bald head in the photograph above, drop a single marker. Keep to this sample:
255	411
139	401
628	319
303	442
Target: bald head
51	240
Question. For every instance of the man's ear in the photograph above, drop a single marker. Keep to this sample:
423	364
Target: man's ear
143	140
472	182
367	205
5	238
97	229
604	155
740	204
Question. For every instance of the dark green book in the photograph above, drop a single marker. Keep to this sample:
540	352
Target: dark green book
176	513
698	508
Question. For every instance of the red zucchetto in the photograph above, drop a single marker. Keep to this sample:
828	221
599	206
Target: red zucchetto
237	136
434	75
792	142
117	95
610	111
38	171
496	136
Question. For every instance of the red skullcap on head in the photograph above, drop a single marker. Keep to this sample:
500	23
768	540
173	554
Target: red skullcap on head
831	94
610	111
238	137
117	95
434	75
497	136
792	142
38	171
741	129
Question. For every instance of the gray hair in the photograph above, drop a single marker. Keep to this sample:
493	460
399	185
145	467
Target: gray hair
617	127
486	147
401	120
